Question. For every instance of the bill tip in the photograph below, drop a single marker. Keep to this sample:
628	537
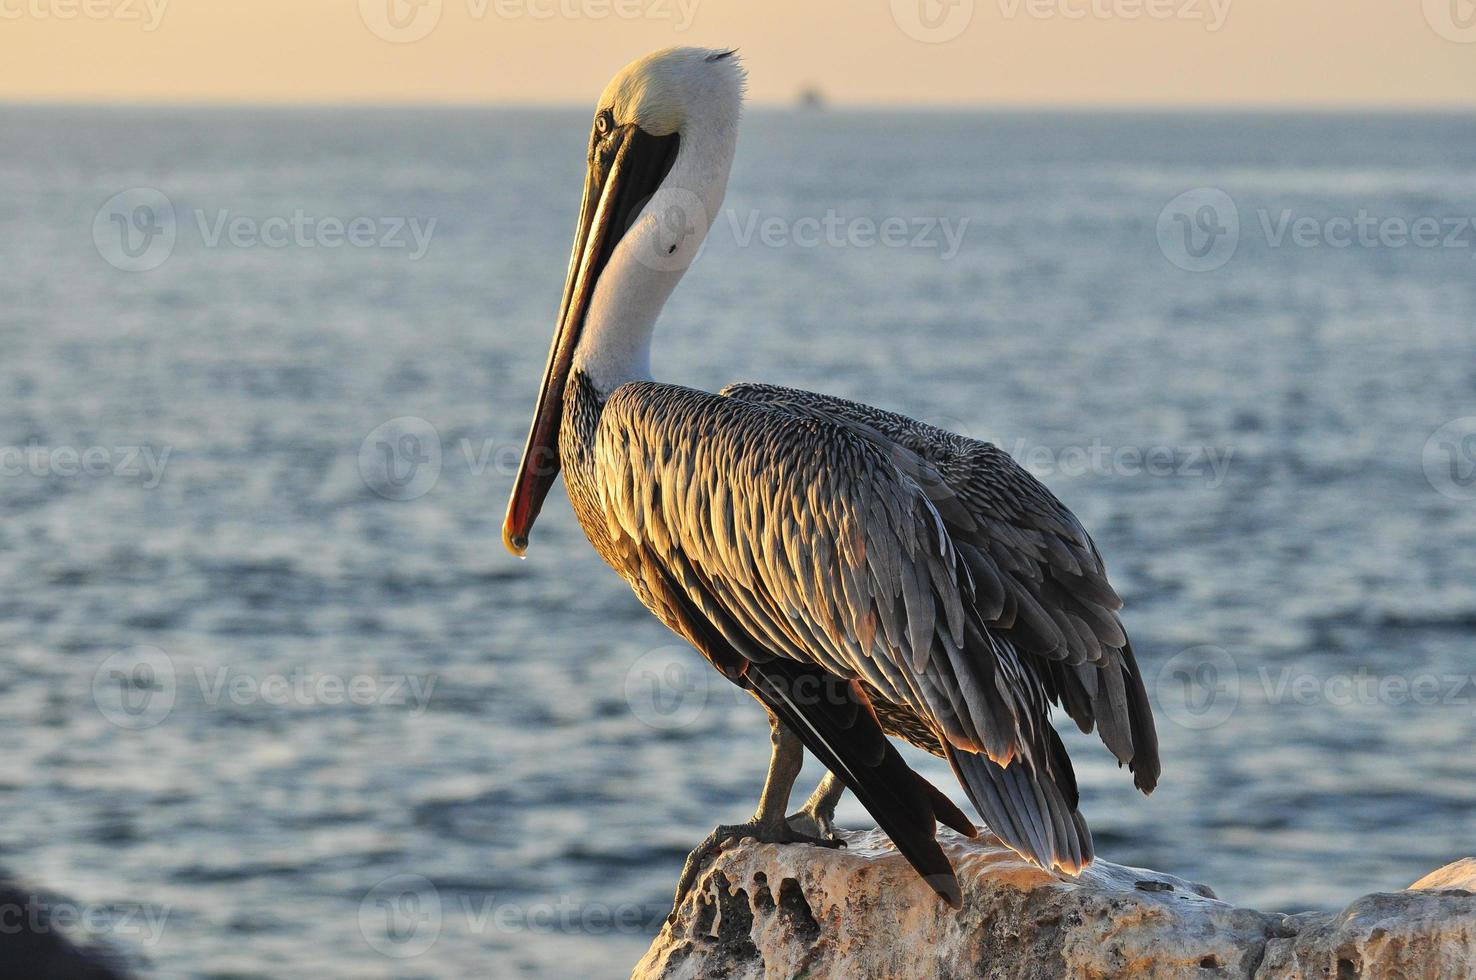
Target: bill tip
515	543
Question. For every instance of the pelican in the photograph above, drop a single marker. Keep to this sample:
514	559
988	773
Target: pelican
863	575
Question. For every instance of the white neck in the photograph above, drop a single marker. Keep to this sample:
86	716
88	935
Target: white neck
648	262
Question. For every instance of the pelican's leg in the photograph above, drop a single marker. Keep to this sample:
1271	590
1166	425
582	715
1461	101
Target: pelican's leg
817	816
768	824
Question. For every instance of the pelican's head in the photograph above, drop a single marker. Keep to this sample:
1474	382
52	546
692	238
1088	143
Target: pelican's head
658	156
665	91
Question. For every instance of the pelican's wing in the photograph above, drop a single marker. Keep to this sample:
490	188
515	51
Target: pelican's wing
1039	583
799	538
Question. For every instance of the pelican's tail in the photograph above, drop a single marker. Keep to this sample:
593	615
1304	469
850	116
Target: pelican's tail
1031	809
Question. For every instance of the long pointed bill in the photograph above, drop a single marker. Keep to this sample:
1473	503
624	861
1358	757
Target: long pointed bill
625	169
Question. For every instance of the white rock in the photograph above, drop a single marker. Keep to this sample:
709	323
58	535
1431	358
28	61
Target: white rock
1458	874
764	911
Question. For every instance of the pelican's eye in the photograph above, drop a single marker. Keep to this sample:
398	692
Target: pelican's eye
604	143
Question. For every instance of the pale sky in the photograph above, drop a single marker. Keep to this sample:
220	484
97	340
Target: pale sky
947	52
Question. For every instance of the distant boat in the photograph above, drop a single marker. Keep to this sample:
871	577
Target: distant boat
811	97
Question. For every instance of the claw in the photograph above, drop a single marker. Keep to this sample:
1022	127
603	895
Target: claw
725	834
817	816
815	824
711	846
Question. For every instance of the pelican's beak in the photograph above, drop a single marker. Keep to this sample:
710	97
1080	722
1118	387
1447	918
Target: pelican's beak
626	166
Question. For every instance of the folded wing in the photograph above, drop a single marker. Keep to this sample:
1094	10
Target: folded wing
804	535
1039	582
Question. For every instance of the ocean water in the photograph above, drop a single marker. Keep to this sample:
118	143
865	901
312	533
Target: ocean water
275	702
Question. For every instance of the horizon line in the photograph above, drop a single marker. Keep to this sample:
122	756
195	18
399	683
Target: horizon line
229	103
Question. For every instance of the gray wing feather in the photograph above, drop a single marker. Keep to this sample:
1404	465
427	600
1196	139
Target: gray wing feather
842	538
1037	578
810	536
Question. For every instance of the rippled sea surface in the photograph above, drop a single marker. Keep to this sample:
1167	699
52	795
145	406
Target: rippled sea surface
269	708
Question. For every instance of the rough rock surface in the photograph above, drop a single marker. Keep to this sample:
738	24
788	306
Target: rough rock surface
762	910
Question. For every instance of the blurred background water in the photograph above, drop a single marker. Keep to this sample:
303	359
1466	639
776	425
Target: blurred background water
269	708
